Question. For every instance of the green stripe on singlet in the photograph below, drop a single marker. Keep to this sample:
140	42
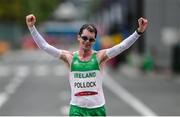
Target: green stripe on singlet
78	65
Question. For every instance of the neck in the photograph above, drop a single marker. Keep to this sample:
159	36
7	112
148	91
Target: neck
84	53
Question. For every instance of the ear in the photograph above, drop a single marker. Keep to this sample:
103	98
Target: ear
78	37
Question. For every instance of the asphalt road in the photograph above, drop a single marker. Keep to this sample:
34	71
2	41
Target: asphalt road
36	84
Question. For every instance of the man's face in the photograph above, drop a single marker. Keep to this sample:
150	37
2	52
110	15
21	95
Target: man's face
86	39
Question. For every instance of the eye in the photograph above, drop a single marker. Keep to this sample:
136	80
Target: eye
84	38
92	40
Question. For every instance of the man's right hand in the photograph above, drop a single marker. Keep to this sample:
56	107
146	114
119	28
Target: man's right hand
30	20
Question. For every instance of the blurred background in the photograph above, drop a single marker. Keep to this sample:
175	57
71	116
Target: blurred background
146	76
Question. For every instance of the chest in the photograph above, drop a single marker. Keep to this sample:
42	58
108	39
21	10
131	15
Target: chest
78	65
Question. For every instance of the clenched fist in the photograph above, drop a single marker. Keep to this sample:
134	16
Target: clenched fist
142	24
30	20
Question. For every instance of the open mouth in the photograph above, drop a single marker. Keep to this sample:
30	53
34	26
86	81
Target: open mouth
87	45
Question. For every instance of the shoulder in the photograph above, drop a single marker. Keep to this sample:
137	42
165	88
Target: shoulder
102	56
66	53
101	53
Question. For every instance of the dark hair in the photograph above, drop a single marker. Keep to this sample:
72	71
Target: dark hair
90	27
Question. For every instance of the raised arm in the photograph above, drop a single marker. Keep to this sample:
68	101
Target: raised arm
66	56
117	49
42	44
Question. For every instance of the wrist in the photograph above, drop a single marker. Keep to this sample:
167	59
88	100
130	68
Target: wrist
31	28
139	32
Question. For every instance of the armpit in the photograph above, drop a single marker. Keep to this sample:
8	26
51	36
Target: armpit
66	57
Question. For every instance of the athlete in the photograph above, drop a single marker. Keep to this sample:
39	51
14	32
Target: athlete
85	66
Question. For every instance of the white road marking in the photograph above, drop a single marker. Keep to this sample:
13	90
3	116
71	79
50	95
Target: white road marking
21	73
4	71
3	99
123	94
41	70
60	70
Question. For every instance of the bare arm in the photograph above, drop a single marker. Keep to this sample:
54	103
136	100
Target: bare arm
109	53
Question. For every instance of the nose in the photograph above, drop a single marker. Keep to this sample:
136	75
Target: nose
88	40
